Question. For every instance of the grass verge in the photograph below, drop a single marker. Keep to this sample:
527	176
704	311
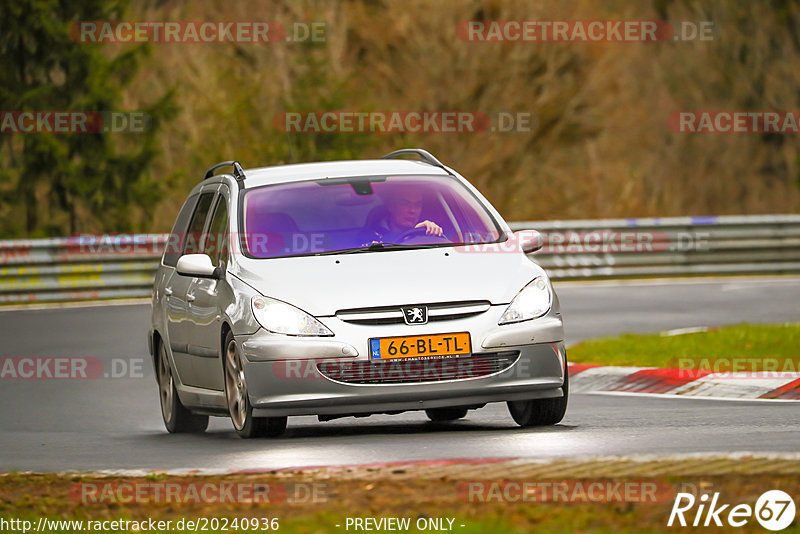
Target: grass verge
761	345
326	508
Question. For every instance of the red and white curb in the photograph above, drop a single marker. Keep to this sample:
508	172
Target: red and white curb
684	382
638	465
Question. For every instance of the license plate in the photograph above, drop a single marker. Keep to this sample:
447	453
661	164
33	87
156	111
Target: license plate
420	346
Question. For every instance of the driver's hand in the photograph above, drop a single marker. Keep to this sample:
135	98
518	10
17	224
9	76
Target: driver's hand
431	228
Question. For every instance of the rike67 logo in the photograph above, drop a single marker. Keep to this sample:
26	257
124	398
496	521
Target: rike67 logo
774	510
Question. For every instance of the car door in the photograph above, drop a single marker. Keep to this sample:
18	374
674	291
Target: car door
176	288
204	307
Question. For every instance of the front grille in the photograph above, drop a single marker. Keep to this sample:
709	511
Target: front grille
416	370
439	311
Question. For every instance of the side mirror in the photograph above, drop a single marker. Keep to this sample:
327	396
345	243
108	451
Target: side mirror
198	265
528	241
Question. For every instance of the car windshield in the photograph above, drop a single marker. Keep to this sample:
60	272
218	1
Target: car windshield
338	215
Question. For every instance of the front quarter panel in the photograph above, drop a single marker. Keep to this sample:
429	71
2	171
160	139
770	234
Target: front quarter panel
237	308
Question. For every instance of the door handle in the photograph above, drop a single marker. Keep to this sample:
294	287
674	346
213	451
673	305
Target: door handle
168	291
190	297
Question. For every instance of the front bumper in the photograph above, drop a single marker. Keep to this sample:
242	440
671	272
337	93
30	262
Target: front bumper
283	378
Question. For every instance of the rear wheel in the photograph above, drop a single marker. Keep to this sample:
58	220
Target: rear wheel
177	418
541	412
445	414
239	406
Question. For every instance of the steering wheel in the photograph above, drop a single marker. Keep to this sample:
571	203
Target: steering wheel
416	232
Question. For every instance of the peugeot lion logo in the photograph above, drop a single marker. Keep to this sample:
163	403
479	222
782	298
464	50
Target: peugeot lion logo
415	315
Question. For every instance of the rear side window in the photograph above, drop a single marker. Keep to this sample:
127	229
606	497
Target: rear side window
215	242
195	231
177	237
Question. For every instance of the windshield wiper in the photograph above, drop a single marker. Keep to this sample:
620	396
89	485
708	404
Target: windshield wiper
373	247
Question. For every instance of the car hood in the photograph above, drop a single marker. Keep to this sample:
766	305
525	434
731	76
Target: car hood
321	285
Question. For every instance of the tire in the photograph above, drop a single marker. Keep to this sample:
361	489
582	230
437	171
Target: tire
541	412
177	418
239	407
439	415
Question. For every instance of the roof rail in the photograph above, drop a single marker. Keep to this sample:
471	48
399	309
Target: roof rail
238	172
424	155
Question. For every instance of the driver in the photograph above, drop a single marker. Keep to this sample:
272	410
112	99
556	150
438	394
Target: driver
404	211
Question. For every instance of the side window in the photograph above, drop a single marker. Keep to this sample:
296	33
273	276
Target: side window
215	242
177	237
195	230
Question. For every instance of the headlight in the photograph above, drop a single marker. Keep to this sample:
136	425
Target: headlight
533	301
281	318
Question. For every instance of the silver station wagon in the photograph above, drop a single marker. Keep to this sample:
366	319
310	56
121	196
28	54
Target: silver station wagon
351	288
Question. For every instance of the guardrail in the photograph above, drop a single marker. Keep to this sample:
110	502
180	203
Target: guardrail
98	267
674	246
79	268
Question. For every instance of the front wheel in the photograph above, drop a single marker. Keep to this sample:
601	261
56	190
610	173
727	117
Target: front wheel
177	418
541	412
239	406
